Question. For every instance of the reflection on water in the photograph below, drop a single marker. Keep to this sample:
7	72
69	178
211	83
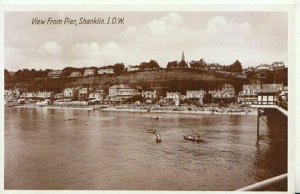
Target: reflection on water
114	151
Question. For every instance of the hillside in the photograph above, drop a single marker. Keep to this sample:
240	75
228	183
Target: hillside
163	80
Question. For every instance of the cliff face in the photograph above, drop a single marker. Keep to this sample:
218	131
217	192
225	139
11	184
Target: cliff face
162	80
151	77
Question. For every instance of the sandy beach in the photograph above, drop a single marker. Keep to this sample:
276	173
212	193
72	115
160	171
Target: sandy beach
134	110
55	107
180	112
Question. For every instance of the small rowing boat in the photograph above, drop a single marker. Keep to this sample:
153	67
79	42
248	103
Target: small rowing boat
195	138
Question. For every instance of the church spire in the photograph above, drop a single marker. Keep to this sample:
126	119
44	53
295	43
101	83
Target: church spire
182	57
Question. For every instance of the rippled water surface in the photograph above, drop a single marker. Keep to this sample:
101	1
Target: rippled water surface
114	151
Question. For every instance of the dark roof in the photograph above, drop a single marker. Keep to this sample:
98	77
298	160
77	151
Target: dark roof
267	90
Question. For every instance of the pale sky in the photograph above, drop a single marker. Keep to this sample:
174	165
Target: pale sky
251	37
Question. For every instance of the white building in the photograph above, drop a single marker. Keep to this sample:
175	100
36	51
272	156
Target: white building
76	74
133	68
249	94
29	95
277	65
121	92
262	67
149	95
227	93
8	95
195	95
284	93
55	74
83	93
89	72
105	71
173	96
70	92
96	96
45	95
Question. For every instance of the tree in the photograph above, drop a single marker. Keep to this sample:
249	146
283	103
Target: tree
182	64
172	65
235	67
135	98
119	68
152	64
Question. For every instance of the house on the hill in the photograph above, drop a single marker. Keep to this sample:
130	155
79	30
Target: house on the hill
105	71
133	68
76	74
89	72
55	74
262	68
277	65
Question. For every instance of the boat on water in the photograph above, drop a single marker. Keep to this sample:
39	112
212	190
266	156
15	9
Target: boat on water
71	119
194	138
157	117
151	131
158	138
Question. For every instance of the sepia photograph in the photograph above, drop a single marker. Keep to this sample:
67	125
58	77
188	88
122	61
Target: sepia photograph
146	100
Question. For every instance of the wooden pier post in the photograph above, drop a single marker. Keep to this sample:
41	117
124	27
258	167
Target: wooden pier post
257	132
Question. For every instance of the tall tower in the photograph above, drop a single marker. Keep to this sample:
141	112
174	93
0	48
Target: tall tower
182	56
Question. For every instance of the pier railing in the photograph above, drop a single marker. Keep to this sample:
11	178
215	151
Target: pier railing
266	184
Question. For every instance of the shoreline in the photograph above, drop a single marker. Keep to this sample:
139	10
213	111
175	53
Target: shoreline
55	107
113	109
179	112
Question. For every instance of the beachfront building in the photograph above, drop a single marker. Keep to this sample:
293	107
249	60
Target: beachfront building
11	94
284	93
122	92
83	93
195	95
249	94
174	96
45	95
70	93
105	71
95	96
8	95
89	72
149	95
55	74
227	94
76	74
16	93
59	95
267	96
29	95
269	93
133	68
